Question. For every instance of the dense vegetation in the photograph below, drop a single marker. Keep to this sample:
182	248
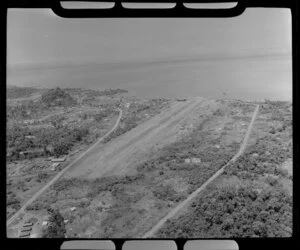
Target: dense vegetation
26	110
57	97
56	227
29	109
50	123
54	136
259	204
235	212
12	200
261	159
56	140
13	92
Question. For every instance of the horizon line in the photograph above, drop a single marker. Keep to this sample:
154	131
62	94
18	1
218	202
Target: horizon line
61	64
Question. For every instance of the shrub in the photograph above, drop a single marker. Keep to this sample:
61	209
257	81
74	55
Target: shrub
282	172
166	193
56	228
272	180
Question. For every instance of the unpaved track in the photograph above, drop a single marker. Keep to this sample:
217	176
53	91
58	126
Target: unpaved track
195	193
123	152
42	190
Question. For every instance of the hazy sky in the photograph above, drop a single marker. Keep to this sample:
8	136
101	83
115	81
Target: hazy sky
39	36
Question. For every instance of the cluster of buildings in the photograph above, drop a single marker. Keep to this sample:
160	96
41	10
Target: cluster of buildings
26	230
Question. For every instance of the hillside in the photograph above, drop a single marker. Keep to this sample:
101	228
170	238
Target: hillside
57	97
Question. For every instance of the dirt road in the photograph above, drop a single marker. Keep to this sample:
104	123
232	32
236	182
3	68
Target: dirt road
121	155
195	193
42	190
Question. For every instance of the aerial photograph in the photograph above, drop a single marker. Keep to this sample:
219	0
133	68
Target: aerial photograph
149	127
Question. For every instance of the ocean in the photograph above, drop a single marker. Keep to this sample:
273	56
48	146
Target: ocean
249	78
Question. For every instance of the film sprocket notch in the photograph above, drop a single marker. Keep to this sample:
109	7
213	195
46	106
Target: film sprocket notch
179	10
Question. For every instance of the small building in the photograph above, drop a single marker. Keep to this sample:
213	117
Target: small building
187	160
66	221
32	153
26	229
31	137
73	209
24	234
217	146
181	99
196	160
28	224
54	166
59	159
29	122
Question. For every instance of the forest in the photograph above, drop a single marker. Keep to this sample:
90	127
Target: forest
52	141
235	212
53	136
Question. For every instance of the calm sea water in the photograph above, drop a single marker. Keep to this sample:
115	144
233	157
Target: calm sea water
242	78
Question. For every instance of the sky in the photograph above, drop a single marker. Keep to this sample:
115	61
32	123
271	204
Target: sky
39	37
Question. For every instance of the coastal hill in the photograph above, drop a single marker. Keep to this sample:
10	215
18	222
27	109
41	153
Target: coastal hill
57	97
